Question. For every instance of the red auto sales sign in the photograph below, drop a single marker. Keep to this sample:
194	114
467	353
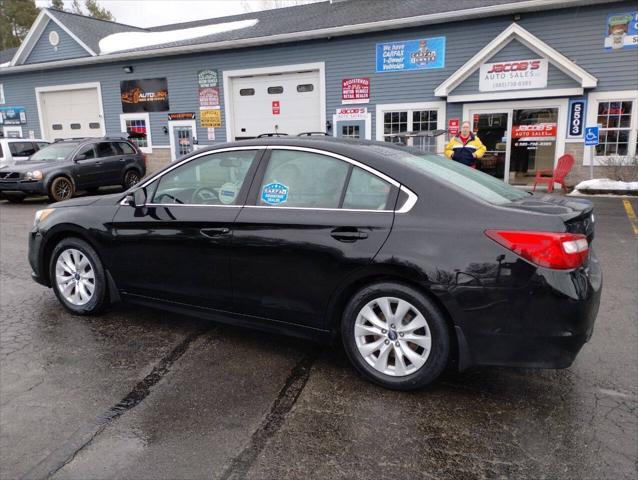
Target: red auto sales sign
355	90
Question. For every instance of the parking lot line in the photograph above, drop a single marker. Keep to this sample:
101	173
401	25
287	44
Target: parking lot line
631	215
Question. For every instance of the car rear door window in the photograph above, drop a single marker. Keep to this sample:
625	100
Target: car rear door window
22	149
214	179
106	149
42	144
126	148
366	191
303	179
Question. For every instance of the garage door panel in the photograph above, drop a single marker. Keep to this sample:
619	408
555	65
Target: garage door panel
299	108
71	113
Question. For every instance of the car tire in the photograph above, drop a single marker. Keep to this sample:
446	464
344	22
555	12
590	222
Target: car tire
61	188
131	177
393	352
77	277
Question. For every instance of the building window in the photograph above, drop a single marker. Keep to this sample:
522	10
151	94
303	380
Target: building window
245	92
394	123
275	90
306	87
397	124
614	119
350	131
137	128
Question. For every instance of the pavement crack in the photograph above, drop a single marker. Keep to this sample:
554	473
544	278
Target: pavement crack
286	399
84	435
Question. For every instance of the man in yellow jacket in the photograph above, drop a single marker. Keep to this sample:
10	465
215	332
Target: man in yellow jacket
465	147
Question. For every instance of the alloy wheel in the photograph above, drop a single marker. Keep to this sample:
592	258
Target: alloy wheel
131	178
75	276
62	189
392	336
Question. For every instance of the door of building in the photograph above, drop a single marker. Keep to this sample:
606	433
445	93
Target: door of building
492	128
182	137
533	143
351	129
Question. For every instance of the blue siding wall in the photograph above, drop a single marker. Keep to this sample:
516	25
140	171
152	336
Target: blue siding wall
577	34
43	51
517	51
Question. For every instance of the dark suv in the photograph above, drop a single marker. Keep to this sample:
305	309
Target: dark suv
67	166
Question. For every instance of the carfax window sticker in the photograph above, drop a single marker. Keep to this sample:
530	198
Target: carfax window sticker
274	193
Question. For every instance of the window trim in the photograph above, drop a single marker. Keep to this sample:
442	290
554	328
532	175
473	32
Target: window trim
138	116
593	101
441	119
407	206
2	97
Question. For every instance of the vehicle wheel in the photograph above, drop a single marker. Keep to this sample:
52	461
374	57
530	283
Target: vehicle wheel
61	189
77	277
131	177
395	336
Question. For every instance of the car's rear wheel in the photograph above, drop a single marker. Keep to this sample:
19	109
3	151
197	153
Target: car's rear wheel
131	178
61	189
395	336
77	277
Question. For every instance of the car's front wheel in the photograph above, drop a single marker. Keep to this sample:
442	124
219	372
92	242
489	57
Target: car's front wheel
395	336
77	277
61	189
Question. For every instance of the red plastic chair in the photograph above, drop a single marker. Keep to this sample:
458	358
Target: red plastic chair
564	165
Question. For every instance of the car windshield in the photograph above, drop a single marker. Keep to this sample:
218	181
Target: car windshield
474	182
54	153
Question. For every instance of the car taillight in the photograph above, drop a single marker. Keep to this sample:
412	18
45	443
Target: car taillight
561	251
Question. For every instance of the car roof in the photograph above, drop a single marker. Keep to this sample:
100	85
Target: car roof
13	139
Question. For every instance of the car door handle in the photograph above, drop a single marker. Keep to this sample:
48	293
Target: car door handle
97	164
214	232
348	235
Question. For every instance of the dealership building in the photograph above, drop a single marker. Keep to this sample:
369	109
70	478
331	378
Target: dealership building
529	75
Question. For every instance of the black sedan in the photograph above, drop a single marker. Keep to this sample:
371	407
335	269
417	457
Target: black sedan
415	261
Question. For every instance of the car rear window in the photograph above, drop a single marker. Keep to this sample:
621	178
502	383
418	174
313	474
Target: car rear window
22	149
472	181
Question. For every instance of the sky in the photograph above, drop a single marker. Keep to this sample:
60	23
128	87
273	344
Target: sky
149	13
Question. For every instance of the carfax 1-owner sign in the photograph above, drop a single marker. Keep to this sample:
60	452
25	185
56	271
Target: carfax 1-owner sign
516	75
423	54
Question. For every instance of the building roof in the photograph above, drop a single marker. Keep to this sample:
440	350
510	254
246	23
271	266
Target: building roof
91	30
315	20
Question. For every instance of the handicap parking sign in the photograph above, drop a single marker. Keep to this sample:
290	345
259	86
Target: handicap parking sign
591	136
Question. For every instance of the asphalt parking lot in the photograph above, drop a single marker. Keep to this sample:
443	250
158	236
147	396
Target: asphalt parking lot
143	394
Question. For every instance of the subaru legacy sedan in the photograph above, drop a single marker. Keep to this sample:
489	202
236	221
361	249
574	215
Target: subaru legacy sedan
414	261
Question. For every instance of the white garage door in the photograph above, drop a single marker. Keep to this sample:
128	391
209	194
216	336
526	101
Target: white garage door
71	113
286	103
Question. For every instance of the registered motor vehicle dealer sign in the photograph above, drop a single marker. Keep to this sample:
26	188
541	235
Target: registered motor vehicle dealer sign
516	75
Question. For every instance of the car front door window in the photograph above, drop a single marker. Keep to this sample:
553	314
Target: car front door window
214	179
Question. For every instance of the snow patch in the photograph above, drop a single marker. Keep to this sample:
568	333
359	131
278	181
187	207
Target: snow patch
605	185
130	40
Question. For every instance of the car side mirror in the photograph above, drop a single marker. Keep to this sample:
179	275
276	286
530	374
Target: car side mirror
136	198
80	157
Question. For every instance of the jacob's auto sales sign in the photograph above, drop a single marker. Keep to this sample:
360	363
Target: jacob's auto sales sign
538	131
515	75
